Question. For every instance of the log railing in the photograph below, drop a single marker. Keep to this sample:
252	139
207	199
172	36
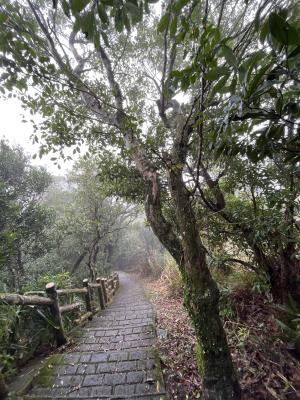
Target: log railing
105	289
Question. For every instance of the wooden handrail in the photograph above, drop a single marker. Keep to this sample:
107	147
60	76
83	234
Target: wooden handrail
95	285
83	318
69	307
105	287
20	300
35	293
62	292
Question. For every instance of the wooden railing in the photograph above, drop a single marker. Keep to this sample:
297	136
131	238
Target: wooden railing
105	289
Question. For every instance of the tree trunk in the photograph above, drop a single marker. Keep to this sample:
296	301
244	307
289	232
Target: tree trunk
285	278
202	302
283	271
3	387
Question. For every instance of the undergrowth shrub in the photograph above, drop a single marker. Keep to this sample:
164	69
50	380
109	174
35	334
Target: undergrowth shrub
229	281
240	279
171	278
62	280
236	280
26	331
290	325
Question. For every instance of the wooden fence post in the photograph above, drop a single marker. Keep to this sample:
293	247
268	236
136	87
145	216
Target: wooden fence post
116	276
87	297
108	284
100	294
104	290
59	332
3	387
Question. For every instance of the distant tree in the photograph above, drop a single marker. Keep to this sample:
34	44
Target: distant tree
91	222
24	220
139	250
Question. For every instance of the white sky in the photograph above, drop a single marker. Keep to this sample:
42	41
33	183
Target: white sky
17	132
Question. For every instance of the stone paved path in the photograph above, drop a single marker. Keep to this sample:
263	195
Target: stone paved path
115	357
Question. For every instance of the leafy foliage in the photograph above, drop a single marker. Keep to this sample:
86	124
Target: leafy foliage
90	222
290	324
24	220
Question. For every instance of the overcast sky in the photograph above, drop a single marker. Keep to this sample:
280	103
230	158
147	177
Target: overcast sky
17	132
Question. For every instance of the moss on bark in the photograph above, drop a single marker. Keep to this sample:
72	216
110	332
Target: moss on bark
212	352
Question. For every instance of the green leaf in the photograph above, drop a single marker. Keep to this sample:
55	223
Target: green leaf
264	31
275	132
232	87
96	40
185	82
3	18
295	52
126	19
77	24
173	26
163	23
242	74
286	328
45	317
105	38
219	149
229	55
66	8
282	31
176	74
88	24
147	9
255	59
279	104
119	23
291	108
180	37
102	14
253	155
132	8
257	79
216	73
178	5
217	87
78	5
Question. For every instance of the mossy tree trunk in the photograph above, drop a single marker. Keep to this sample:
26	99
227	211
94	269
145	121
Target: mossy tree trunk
202	301
182	239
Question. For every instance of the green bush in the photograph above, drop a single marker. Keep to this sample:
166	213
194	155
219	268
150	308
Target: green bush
61	280
26	331
290	324
238	278
234	280
171	278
